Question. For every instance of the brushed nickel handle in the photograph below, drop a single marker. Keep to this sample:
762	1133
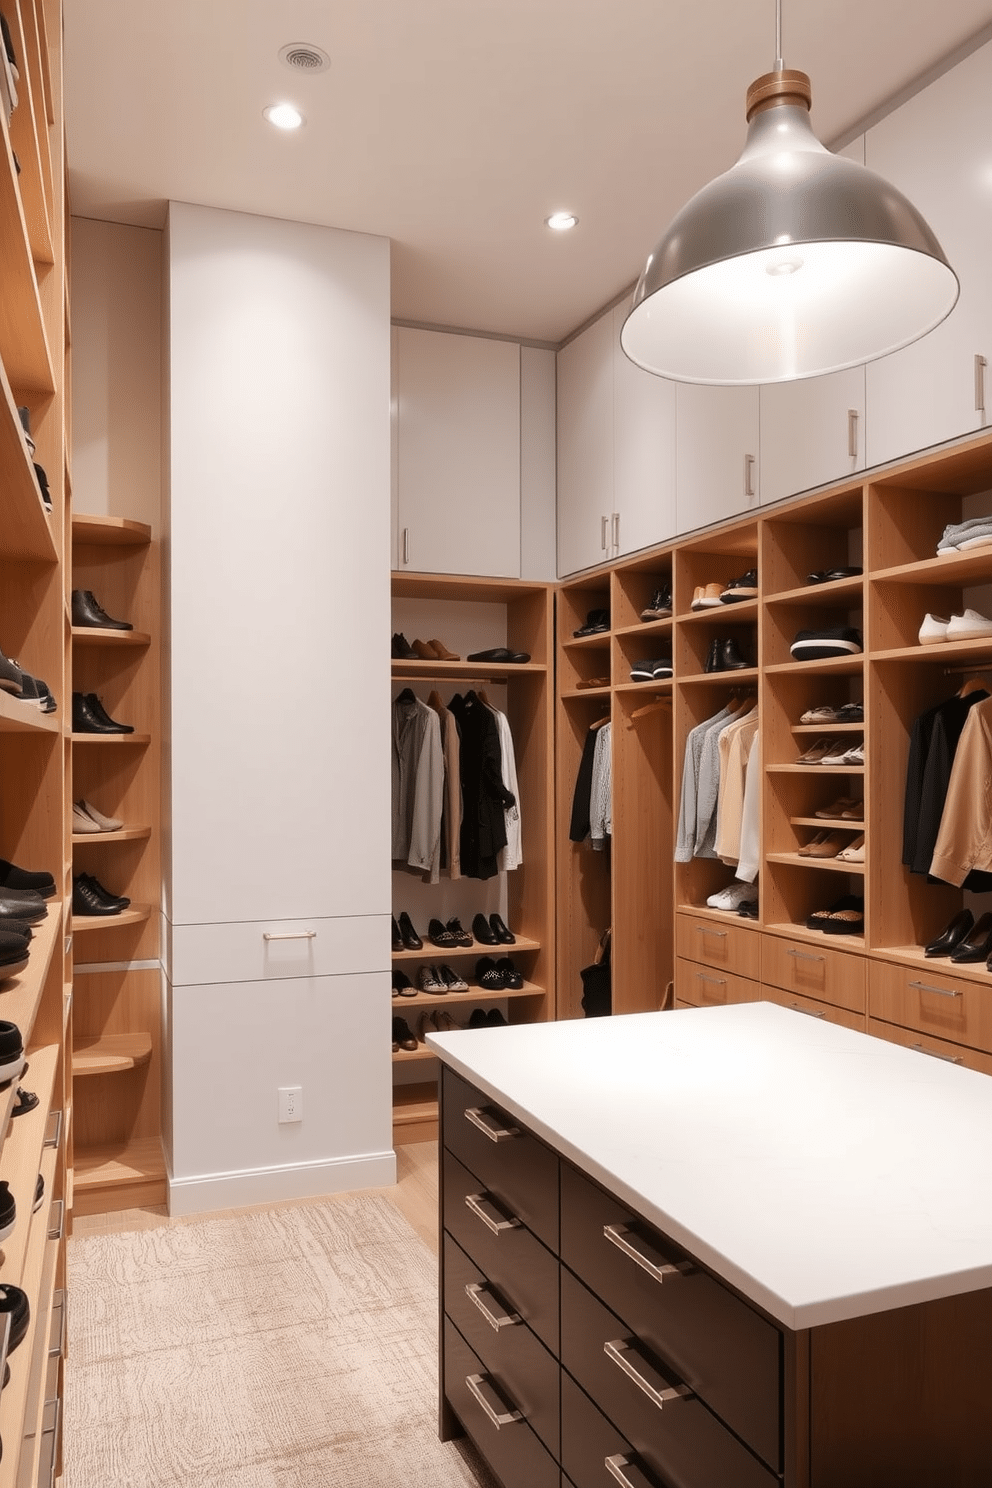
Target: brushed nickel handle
705	930
289	935
496	1320
58	1213
490	1126
933	1054
56	1342
406	545
476	1383
716	981
749	476
602	532
494	1219
852	433
53	1131
802	955
615	524
643	1253
808	1011
980	365
51	1426
627	1472
941	991
646	1377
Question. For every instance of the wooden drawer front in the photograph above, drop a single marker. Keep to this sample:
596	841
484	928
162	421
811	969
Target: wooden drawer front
703	1333
925	1043
704	986
512	1448
680	1440
588	1439
815	971
933	1002
513	1259
825	1010
517	1169
511	1352
731	947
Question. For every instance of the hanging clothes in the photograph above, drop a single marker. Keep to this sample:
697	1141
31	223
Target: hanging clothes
964	842
512	855
933	745
750	850
578	829
417	786
736	742
485	798
601	790
451	815
685	837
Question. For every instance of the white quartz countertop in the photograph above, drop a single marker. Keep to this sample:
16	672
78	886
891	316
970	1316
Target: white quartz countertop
823	1173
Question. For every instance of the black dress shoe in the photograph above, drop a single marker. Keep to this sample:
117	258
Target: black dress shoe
397	938
512	980
11	1052
12	877
89	720
977	944
731	659
86	901
119	901
462	937
596	622
952	934
495	1019
489	975
97	708
18	911
8	1211
411	940
403	1037
713	660
502	932
400	648
483	931
86	611
438	934
501	655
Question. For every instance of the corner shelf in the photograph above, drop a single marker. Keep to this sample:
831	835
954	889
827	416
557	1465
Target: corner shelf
110	1053
135	915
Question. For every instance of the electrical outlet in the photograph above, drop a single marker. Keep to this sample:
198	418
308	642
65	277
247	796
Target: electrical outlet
290	1103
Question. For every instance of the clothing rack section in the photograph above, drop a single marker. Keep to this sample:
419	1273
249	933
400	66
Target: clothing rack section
469	616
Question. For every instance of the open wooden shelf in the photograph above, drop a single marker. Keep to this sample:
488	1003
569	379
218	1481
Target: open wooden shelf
842	593
586	692
818	937
20	995
431	954
803	862
124	834
135	915
725	614
22	1160
844	666
17	717
24	347
465	671
718	916
112	532
27	527
415	1113
646	627
598	641
971	567
93	635
451	1000
723	679
118	1176
115	739
110	1053
794	769
913	955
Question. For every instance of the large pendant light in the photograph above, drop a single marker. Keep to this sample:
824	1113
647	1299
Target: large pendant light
793	263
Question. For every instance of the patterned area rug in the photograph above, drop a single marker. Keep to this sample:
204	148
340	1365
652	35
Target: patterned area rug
283	1348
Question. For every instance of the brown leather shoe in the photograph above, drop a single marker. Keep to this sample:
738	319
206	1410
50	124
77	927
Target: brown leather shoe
425	650
442	651
828	847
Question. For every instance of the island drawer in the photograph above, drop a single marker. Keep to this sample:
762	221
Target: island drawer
511	1257
729	1355
493	1418
936	1048
809	1005
589	1440
934	1001
487	1319
731	947
514	1166
815	970
662	1418
705	986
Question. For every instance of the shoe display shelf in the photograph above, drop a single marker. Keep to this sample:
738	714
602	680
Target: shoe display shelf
34	753
470	615
117	1046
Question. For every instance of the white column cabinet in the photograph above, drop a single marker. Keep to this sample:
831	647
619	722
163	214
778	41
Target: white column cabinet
812	432
585	448
643	452
717	431
935	148
457	451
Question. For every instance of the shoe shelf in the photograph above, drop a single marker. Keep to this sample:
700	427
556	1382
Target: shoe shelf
115	739
465	671
842	593
135	915
843	666
474	994
842	823
24	348
943	652
433	953
20	995
914	956
17	717
125	834
110	1053
93	635
585	692
27	527
115	1175
415	1112
22	1162
793	769
724	679
661	685
114	532
599	641
718	916
959	569
723	614
801	861
646	628
816	937
410	1056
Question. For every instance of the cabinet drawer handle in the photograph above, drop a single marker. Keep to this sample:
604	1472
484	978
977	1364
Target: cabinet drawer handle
496	1320
289	935
852	433
802	955
654	1384
706	930
941	991
490	1126
58	1220
980	365
494	1219
933	1054
627	1472
642	1252
499	1417
717	981
808	1011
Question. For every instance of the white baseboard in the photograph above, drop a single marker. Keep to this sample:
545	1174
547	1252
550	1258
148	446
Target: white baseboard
206	1192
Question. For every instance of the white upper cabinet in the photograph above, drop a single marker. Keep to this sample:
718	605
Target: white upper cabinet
457	453
644	451
937	149
717	453
812	432
585	448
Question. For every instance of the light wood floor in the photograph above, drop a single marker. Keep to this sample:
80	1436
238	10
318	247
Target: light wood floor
415	1196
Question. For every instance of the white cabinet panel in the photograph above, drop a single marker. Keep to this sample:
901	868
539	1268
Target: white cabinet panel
812	432
458	453
717	453
272	950
585	447
644	450
937	148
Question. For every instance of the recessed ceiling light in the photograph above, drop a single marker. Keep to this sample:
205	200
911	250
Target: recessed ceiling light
283	116
561	221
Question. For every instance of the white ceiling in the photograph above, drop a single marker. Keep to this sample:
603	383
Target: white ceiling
454	127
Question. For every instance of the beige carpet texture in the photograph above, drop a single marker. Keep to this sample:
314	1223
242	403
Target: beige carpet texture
281	1348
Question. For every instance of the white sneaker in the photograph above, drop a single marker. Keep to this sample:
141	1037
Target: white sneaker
933	629
971	626
733	896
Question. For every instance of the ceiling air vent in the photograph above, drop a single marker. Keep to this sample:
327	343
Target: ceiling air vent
302	57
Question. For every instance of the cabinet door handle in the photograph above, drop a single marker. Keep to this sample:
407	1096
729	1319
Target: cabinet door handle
852	433
802	955
490	1126
627	1472
496	1320
717	981
494	1219
808	1011
498	1413
56	1342
980	364
615	524
53	1131
749	476
656	1387
941	991
289	935
642	1252
934	1054
706	930
602	532
57	1220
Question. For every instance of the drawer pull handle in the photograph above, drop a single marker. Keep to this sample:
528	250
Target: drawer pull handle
802	955
643	1253
717	981
941	991
483	1208
706	930
627	1473
496	1320
808	1011
289	935
490	1126
933	1054
499	1417
654	1384
56	1343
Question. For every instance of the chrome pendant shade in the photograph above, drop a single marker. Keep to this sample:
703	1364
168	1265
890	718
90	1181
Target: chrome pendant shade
793	263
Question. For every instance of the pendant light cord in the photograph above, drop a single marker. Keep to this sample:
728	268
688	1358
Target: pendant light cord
779	64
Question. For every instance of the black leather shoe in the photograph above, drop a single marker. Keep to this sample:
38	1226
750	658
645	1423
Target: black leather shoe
977	944
8	1211
11	1051
502	932
713	660
512	980
952	934
501	655
12	877
462	937
400	648
85	720
596	622
14	1301
397	938
438	934
483	931
660	605
17	911
86	611
746	587
86	900
489	975
495	1019
100	712
119	901
411	940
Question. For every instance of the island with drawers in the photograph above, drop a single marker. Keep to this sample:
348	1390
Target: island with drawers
730	1247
